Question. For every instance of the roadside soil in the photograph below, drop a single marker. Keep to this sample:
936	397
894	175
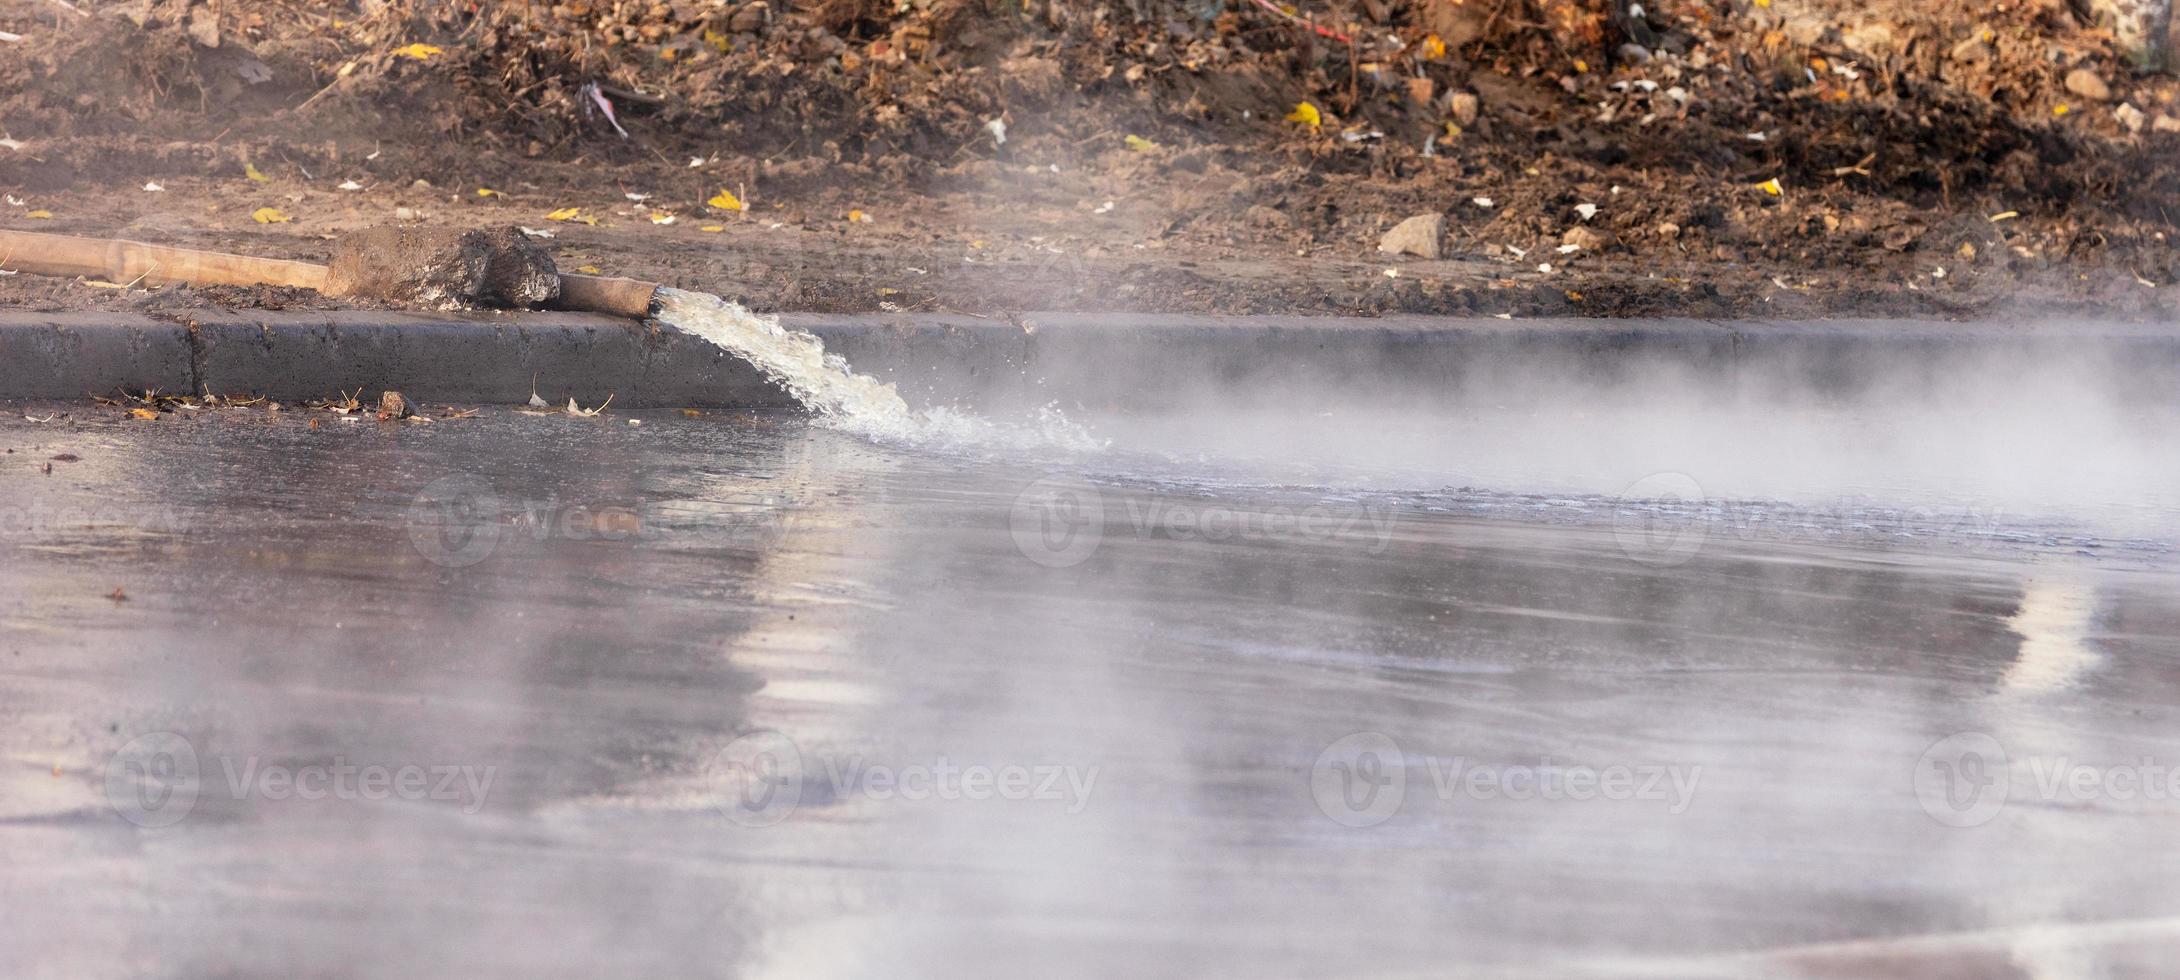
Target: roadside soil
1782	159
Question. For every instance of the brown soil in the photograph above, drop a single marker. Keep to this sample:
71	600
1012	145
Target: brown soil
1932	159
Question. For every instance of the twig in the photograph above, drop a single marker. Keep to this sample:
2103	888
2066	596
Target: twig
1304	21
72	8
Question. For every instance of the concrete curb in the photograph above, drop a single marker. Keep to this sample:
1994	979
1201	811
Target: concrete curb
1135	360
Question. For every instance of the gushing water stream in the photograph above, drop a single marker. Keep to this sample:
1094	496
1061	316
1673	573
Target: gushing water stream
839	398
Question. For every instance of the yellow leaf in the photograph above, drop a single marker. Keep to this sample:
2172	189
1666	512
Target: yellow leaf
726	201
250	170
1763	3
1771	187
1139	144
144	413
563	214
268	216
418	51
1306	114
41	213
661	218
717	40
2059	110
588	270
487	192
1433	48
859	216
2004	216
1581	67
714	229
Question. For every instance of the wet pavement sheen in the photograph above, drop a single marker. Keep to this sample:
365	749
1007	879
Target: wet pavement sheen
738	696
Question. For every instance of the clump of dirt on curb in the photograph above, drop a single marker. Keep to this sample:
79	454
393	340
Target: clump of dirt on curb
1717	158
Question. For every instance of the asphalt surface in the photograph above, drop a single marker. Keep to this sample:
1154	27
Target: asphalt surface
734	695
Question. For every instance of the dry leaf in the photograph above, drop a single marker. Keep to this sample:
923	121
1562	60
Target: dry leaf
579	412
40	213
269	216
1139	144
419	51
563	214
487	192
144	413
714	229
588	270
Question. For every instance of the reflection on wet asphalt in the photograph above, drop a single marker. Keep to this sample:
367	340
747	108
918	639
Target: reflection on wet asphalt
735	696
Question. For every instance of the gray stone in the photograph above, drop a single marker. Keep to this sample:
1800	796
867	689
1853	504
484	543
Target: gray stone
1419	235
2085	83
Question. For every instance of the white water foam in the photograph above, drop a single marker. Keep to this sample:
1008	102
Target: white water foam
839	398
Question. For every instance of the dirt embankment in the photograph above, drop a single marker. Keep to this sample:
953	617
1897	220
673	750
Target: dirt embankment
1819	157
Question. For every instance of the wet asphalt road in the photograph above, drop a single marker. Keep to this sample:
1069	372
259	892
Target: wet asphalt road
736	696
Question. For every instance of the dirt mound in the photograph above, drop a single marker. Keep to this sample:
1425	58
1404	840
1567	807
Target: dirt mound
1816	156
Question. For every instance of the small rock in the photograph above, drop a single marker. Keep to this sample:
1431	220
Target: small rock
420	184
204	26
392	406
1970	49
1667	229
2129	116
2165	124
405	214
1464	106
1634	53
1418	235
747	19
1584	238
2085	83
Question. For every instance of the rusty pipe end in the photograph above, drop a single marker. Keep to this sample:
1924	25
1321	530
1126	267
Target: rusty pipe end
605	294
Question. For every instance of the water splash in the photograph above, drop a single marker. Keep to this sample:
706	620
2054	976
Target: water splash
839	398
